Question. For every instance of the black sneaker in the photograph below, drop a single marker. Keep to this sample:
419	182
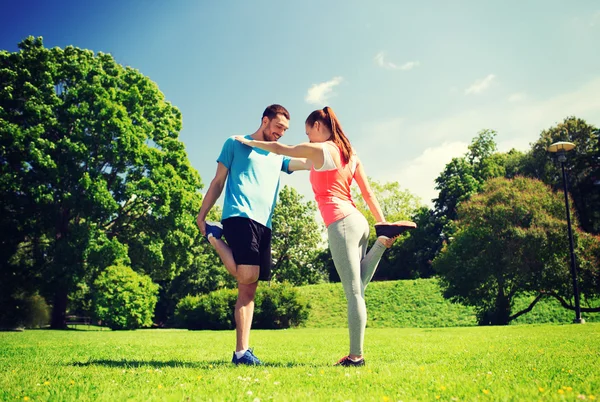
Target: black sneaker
346	361
393	229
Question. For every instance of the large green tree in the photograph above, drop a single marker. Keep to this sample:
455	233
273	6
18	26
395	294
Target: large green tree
91	169
296	239
511	240
582	167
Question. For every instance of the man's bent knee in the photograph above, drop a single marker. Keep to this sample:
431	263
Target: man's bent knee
247	274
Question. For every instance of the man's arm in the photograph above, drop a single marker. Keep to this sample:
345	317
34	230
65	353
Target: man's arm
299	164
214	192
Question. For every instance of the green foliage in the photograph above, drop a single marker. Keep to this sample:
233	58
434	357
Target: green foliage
92	173
396	203
412	256
276	306
24	312
464	176
582	167
295	239
210	311
511	240
124	299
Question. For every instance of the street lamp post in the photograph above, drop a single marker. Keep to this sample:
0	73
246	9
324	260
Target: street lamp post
561	148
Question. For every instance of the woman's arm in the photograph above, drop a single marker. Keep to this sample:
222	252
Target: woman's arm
367	193
313	152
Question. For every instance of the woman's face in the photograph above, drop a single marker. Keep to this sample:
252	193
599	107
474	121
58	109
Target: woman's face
313	132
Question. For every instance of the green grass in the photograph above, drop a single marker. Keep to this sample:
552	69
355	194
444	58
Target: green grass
520	362
417	304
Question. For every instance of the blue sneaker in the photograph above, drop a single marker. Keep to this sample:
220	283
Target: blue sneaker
248	359
214	229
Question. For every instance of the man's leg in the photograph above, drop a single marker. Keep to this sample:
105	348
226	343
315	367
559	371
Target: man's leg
244	307
224	251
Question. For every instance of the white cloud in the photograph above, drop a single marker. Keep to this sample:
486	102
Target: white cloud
419	174
480	85
408	151
319	93
517	97
382	62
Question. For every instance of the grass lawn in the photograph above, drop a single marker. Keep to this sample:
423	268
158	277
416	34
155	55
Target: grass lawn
518	362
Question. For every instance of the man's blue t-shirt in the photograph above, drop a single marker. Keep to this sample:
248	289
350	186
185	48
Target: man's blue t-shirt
253	181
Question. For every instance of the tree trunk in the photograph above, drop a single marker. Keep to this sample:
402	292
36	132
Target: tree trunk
499	314
59	309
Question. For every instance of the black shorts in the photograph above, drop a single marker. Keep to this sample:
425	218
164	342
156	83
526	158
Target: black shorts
250	243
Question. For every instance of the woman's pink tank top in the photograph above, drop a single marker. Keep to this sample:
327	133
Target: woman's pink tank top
332	190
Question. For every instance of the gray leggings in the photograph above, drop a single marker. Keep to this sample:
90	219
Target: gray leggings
348	240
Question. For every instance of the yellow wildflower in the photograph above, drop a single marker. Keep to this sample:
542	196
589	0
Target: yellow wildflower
486	391
159	386
443	388
560	391
541	389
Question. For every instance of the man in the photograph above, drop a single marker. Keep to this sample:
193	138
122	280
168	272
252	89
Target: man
251	181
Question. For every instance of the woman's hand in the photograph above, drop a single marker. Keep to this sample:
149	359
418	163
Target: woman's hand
243	140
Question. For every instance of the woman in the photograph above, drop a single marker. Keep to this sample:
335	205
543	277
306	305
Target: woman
335	166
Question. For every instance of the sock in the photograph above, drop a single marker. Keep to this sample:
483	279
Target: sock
238	355
355	360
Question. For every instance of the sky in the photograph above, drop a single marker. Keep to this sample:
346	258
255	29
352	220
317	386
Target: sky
411	82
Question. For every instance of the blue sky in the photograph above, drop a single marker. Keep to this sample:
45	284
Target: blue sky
411	83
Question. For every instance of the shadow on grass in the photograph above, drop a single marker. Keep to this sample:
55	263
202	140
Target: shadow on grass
204	365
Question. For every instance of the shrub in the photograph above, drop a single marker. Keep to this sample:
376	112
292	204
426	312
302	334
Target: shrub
24	312
213	310
124	299
279	305
276	306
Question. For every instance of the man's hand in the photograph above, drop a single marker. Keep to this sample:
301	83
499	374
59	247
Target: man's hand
243	140
201	225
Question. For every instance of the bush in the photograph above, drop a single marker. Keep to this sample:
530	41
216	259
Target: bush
124	299
276	306
279	305
213	310
24	312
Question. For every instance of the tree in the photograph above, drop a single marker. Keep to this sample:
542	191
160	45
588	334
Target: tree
464	176
396	204
124	299
295	239
582	167
90	167
511	240
415	253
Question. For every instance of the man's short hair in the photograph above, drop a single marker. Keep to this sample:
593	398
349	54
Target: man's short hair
274	110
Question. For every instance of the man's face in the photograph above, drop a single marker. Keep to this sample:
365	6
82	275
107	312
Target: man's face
275	128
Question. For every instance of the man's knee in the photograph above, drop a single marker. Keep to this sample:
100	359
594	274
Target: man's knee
247	275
